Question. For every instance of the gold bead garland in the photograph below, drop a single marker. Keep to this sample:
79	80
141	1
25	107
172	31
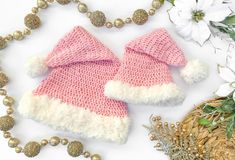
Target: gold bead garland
7	122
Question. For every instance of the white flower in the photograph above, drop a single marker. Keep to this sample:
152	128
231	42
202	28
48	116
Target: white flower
227	73
192	17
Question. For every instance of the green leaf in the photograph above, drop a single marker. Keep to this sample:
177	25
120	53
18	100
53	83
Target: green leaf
230	127
208	109
204	122
232	35
230	21
227	106
171	1
162	1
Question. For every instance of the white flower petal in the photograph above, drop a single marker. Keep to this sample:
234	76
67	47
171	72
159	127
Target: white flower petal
218	2
226	74
217	13
204	4
185	30
231	63
186	4
200	32
224	90
176	16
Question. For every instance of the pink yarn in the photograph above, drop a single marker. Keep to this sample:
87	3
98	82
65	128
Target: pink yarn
146	60
81	66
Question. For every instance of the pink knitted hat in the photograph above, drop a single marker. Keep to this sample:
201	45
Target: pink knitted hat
144	76
72	96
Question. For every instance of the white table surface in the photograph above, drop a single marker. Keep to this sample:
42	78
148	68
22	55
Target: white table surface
57	20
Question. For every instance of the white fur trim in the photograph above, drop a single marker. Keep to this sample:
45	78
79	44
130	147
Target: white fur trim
36	66
194	72
165	94
60	115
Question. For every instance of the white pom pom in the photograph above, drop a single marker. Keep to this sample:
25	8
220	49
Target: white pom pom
36	66
195	71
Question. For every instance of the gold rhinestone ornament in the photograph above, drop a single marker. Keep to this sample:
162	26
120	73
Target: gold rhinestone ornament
140	17
75	149
6	123
32	149
3	43
32	21
98	18
63	2
3	79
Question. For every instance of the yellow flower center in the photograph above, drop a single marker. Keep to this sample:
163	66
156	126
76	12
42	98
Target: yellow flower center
198	15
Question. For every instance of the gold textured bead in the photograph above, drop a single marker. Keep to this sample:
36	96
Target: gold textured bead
152	12
82	7
95	157
3	79
35	10
8	101
86	154
18	35
44	142
3	43
119	23
140	17
75	149
98	18
64	141
32	21
63	2
109	25
128	20
6	123
10	111
9	37
54	141
7	135
18	149
42	4
13	142
32	149
156	4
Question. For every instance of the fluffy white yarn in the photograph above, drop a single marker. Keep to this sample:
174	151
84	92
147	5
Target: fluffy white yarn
195	71
36	66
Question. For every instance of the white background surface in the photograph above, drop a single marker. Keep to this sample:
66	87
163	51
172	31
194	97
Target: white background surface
57	20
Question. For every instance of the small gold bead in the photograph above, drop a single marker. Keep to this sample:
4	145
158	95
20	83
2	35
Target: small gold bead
152	12
27	31
63	2
82	7
9	37
42	4
32	149
128	20
13	142
76	1
166	124
178	123
140	17
6	123
98	18
3	43
8	101
7	135
159	118
18	35
34	10
86	154
156	4
3	79
109	24
172	126
75	148
88	14
32	21
54	141
50	1
18	149
3	92
158	145
64	141
10	111
119	23
152	137
95	157
44	142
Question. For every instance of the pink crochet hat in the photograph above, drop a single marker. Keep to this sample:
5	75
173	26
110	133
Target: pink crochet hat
72	96
144	76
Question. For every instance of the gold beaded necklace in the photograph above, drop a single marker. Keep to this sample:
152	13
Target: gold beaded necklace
32	21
